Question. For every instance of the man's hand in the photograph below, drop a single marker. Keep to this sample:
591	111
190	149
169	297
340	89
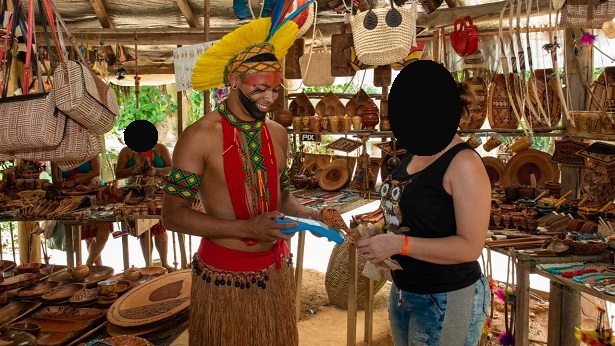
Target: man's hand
264	228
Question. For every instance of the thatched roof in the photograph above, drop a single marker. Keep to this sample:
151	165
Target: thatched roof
159	26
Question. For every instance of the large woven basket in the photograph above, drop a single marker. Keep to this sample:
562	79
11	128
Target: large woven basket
336	279
384	45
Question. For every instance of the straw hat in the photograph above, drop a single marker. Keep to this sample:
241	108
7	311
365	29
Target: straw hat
334	176
609	29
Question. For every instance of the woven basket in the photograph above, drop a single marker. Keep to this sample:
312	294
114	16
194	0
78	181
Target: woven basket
575	14
336	279
384	45
316	66
543	84
581	248
608	123
603	90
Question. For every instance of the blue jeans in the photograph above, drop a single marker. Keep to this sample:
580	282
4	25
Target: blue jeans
447	319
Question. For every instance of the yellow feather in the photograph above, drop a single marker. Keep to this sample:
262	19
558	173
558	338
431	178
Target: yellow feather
208	71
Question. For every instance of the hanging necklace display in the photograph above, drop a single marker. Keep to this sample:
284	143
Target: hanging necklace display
137	78
120	70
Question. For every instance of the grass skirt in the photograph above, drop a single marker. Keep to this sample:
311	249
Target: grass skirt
225	315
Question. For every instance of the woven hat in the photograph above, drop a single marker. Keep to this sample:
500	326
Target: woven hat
609	29
334	176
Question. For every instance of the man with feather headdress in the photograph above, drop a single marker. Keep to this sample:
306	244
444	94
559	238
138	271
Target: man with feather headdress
234	160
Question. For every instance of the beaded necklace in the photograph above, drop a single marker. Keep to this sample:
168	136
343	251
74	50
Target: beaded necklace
249	158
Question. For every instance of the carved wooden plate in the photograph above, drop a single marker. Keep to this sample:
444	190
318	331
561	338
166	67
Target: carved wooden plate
150	330
18	281
495	169
36	290
123	286
334	176
54	338
68	313
62	293
16	310
522	165
301	106
86	296
154	271
330	105
48	269
127	340
60	324
153	301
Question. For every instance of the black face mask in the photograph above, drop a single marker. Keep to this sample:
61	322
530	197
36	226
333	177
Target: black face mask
250	105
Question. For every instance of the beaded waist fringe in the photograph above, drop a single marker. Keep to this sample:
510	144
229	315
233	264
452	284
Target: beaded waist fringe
238	279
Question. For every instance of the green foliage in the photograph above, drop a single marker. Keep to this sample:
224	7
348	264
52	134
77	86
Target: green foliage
196	108
154	106
346	88
6	236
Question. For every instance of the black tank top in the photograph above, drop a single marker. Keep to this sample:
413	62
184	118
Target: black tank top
427	209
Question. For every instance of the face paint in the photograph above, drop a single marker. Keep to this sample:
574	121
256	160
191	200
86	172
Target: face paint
250	106
263	84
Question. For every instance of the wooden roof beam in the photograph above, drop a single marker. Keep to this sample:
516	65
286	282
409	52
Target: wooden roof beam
101	13
187	12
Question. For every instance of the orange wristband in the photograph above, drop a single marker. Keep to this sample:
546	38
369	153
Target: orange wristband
404	250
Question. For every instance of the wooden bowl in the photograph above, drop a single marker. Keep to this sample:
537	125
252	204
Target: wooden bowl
33	268
27	327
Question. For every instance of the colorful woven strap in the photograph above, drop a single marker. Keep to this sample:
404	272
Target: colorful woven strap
182	183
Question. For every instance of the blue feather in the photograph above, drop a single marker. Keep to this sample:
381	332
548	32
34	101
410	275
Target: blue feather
294	14
276	13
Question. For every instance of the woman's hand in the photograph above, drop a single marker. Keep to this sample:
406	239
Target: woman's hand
381	246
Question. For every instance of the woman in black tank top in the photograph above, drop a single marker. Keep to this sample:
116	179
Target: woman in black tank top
436	218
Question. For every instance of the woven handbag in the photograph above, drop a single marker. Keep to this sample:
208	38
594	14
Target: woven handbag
85	97
30	122
587	13
77	144
383	36
316	66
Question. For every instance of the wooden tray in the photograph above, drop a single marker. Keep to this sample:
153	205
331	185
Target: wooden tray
147	331
16	310
36	290
153	301
46	269
123	286
121	277
18	281
60	324
330	105
62	293
97	274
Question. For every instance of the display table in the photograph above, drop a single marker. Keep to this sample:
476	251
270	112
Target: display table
564	304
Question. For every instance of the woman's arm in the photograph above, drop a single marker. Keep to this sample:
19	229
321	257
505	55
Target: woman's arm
165	154
121	172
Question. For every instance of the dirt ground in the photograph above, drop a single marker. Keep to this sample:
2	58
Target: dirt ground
323	324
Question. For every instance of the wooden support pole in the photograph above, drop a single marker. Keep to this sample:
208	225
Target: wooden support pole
299	271
351	324
206	30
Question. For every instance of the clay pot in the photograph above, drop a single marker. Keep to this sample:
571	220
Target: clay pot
80	272
133	274
312	181
299	181
285	118
369	116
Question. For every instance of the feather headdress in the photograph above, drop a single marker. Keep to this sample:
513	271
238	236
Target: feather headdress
212	67
275	34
